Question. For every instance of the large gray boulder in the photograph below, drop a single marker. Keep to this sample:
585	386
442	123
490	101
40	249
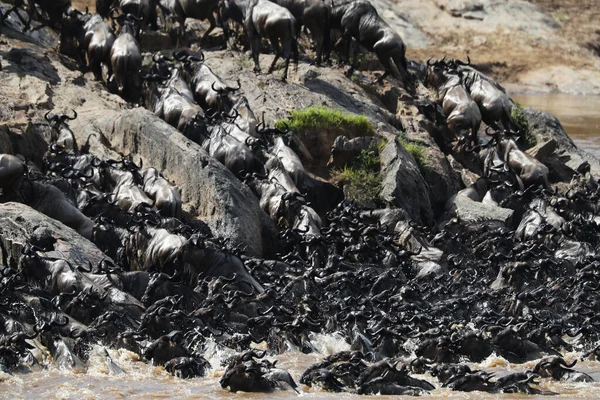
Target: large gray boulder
18	223
403	185
566	158
210	191
467	210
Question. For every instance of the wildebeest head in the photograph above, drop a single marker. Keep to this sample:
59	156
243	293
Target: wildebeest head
436	74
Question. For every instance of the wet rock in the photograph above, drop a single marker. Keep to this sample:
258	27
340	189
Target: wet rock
442	180
210	191
403	186
543	150
19	222
467	210
545	127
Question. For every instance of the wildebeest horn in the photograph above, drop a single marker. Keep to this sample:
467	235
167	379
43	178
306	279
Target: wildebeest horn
200	58
181	55
232	89
112	13
487	131
63	117
133	17
564	363
212	86
155	77
47	117
232	118
429	63
248	139
257	128
463	63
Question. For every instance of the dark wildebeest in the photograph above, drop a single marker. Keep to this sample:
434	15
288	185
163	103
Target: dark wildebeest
314	15
360	20
264	19
462	114
180	10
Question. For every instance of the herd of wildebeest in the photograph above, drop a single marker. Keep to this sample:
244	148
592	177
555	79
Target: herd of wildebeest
523	290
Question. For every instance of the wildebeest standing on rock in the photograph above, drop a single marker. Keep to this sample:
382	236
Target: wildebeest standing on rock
180	10
462	114
314	15
61	134
360	20
264	19
126	60
493	102
99	40
209	91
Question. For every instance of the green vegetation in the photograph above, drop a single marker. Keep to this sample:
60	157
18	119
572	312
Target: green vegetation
361	178
320	118
518	117
360	186
417	150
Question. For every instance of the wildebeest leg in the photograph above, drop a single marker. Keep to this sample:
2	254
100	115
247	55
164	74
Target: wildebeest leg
354	64
275	43
213	25
386	61
318	37
255	44
153	16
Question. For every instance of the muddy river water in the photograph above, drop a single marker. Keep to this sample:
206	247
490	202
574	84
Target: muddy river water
579	115
143	381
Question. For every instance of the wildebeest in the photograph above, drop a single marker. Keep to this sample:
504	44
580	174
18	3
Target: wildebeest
183	9
360	20
230	152
166	196
145	10
462	113
314	15
98	43
209	90
529	170
264	19
126	60
62	135
494	104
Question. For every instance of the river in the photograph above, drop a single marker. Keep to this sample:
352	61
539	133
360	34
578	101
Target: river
143	381
579	115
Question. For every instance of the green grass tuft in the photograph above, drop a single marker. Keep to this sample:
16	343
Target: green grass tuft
417	150
360	185
518	117
361	178
321	118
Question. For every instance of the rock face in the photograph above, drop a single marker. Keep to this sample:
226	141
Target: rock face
211	192
546	128
403	186
467	210
19	222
